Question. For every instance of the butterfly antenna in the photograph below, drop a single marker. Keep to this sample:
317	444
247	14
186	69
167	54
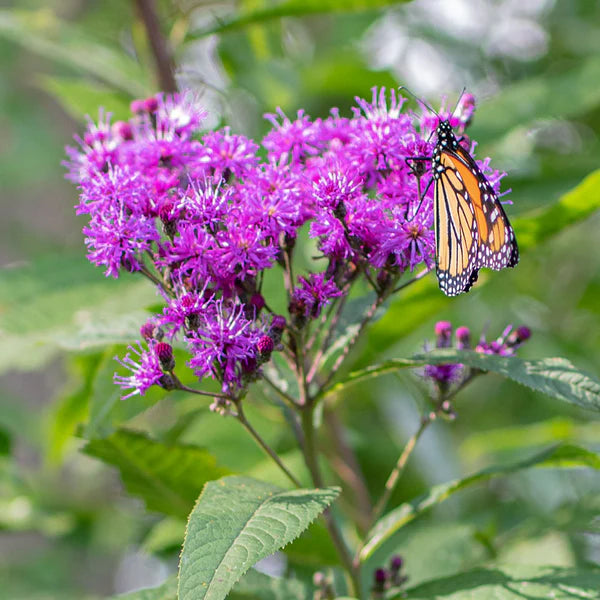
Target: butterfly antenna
420	100
458	101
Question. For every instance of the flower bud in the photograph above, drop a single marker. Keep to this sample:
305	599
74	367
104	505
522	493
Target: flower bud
164	352
257	301
396	562
123	130
380	578
167	382
147	331
150	104
136	106
265	346
516	338
463	338
443	332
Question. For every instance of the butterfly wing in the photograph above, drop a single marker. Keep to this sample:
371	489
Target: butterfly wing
472	229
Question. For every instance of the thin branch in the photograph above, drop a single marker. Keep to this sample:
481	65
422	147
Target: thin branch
326	342
185	388
283	395
158	44
155	280
242	419
413	280
310	457
392	481
349	468
368	316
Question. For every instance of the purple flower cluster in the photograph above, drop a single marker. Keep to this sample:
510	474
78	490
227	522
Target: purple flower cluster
205	214
505	345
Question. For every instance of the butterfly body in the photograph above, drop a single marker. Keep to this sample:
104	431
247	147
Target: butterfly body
471	227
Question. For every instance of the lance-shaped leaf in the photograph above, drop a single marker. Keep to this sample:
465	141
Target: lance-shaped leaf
511	583
236	522
167	477
44	33
556	377
558	456
291	8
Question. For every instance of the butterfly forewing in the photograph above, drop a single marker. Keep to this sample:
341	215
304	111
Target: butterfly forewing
472	230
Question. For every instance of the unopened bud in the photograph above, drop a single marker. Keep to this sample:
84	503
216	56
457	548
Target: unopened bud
164	352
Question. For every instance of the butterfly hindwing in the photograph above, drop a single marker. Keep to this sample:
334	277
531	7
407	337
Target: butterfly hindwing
472	229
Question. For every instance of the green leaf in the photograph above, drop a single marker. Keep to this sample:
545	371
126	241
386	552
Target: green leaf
518	437
567	94
236	522
166	535
257	586
559	456
42	32
291	8
555	377
73	407
534	228
450	547
166	591
168	478
63	303
514	583
81	98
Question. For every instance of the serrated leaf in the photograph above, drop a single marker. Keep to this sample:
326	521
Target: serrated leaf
558	456
511	583
43	32
165	591
167	477
290	8
555	377
236	522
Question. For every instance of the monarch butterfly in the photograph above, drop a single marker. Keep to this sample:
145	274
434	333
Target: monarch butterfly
471	227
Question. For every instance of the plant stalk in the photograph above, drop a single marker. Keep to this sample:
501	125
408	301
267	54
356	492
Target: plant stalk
242	419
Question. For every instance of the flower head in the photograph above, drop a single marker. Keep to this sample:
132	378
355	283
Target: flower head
146	370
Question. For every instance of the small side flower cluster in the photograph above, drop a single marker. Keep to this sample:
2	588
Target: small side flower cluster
204	215
392	577
505	345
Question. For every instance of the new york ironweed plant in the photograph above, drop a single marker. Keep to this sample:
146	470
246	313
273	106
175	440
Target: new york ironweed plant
259	251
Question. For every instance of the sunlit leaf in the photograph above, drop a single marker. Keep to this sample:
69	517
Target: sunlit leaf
236	522
514	583
274	9
44	33
566	456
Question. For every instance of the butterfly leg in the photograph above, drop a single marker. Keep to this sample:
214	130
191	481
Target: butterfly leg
418	170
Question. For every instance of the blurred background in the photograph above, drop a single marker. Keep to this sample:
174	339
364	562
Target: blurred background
68	530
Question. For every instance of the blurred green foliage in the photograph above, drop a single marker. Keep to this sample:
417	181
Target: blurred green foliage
69	530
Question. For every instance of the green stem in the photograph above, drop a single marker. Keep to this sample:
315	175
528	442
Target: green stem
242	419
392	481
310	457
